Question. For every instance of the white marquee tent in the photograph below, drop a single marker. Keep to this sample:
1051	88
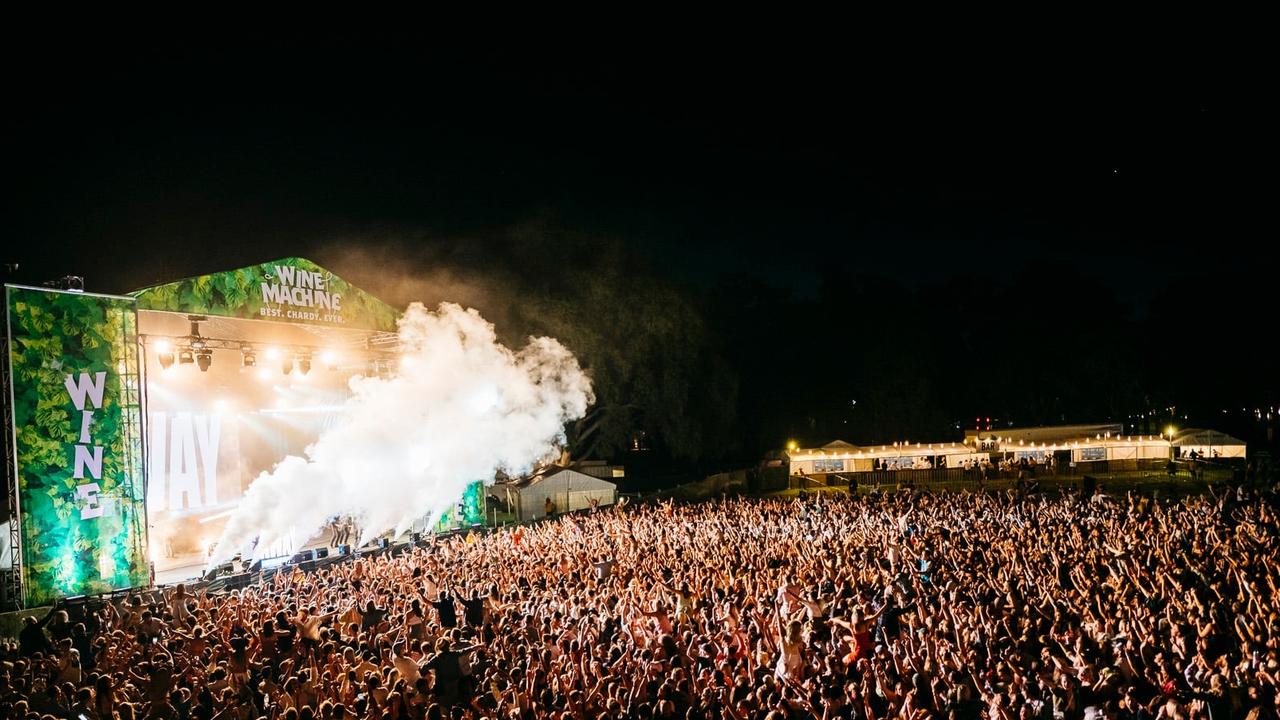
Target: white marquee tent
568	489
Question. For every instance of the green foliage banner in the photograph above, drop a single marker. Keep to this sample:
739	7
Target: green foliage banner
293	290
472	505
78	443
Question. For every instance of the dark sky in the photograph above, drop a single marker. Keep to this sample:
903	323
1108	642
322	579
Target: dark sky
138	162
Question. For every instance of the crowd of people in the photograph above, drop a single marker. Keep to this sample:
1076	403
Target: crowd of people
908	605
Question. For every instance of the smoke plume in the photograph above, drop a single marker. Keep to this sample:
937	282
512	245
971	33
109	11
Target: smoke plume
461	406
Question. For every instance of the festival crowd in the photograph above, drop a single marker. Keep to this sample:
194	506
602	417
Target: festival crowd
908	605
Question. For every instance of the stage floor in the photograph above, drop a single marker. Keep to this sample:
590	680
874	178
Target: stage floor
194	568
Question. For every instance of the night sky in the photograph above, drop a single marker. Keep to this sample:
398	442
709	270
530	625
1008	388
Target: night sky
1149	177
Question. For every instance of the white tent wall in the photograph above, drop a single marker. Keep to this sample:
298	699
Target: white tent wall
1122	452
1120	449
533	504
1209	443
822	465
568	489
1214	451
820	462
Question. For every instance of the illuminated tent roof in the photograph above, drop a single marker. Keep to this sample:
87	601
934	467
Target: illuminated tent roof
1202	437
290	290
557	478
1046	434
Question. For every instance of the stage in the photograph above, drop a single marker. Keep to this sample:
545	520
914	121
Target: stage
166	406
192	566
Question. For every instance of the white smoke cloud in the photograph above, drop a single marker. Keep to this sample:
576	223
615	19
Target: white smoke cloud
461	407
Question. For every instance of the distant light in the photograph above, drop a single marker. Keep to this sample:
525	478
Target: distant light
271	353
406	361
329	358
163	345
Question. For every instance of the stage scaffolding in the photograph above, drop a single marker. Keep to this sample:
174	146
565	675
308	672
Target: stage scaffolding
11	591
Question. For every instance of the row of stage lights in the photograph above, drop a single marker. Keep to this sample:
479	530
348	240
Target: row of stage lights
199	353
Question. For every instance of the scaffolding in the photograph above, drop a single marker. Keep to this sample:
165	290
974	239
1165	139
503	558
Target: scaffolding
11	591
133	484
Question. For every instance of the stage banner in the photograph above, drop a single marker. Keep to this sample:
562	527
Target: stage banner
292	290
73	360
469	510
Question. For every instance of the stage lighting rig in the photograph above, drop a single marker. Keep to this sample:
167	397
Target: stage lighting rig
195	325
197	350
304	364
74	283
247	356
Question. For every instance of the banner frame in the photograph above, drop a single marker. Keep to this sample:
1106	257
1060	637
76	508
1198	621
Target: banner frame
17	546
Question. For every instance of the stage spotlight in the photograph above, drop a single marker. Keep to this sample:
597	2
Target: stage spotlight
204	359
185	357
272	353
330	359
304	364
406	362
247	358
286	367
